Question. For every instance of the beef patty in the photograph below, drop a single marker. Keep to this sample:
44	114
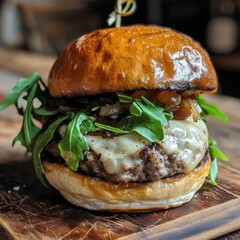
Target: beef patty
152	164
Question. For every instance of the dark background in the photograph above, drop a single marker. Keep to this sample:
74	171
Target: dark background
214	23
192	17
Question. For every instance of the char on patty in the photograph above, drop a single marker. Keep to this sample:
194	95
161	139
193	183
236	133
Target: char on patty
152	164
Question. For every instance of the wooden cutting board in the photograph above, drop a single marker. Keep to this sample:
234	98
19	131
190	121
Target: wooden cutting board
29	211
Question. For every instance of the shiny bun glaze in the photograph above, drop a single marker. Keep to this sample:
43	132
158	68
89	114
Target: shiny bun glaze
132	58
99	194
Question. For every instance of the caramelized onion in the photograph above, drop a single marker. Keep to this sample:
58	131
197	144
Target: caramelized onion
149	94
181	104
182	113
192	105
169	99
112	110
188	93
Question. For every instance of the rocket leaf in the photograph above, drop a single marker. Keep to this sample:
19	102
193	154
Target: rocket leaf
74	143
22	85
211	109
215	153
29	130
147	119
41	142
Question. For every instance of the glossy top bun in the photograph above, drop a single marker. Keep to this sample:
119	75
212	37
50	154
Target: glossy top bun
132	58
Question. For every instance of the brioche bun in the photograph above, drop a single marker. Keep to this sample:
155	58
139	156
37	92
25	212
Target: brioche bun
132	58
98	194
121	60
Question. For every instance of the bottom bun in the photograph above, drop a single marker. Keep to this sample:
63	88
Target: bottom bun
98	194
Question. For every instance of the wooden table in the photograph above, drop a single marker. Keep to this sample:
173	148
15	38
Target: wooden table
28	211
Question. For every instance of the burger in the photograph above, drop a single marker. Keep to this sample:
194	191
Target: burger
123	126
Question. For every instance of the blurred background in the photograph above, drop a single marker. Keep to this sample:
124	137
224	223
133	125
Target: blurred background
45	27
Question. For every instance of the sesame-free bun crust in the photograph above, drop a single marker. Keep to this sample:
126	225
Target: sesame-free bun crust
132	58
98	194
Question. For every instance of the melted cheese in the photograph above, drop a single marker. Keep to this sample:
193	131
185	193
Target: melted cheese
118	153
187	139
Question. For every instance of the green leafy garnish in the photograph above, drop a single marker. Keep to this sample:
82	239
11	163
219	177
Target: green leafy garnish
215	154
27	85
44	112
147	101
22	85
125	98
42	140
111	129
29	130
30	136
95	108
211	109
31	87
213	172
147	119
74	143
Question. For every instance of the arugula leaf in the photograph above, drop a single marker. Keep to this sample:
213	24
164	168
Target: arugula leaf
168	116
215	153
213	172
44	112
22	85
112	129
74	142
95	108
211	109
29	133
41	142
147	101
125	98
135	109
147	119
154	112
150	130
29	130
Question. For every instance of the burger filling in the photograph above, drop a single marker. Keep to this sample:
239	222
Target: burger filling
122	137
132	157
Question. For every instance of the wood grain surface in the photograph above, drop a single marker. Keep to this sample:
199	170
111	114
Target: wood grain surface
25	63
29	211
